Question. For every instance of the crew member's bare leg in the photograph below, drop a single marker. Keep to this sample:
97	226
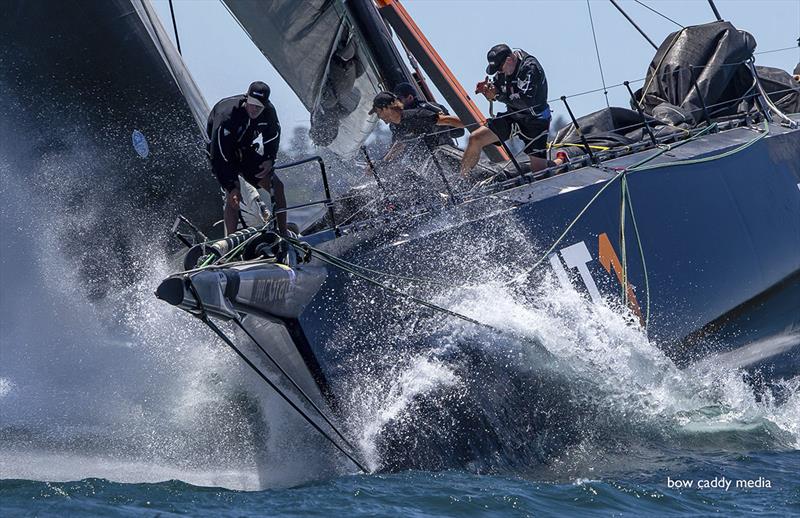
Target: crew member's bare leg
481	137
230	214
272	184
536	163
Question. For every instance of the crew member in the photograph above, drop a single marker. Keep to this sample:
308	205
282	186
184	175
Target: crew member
520	83
408	96
409	125
244	136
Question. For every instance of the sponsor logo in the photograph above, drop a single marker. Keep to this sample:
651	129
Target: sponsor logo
258	144
577	257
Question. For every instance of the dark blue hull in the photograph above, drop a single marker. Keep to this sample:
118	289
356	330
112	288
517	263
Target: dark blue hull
720	239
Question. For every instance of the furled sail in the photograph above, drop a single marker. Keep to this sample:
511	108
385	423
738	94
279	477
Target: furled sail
315	48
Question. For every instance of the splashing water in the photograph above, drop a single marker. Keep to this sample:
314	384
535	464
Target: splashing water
572	382
126	388
99	374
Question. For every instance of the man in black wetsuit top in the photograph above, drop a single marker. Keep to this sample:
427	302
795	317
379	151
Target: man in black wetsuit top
410	126
520	83
408	96
244	136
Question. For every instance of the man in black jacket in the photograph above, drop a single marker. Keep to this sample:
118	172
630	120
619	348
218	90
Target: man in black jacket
519	82
244	136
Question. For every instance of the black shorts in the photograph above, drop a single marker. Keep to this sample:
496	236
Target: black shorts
251	178
532	131
250	168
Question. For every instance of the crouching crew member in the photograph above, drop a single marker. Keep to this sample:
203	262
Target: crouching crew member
519	82
408	96
244	136
410	126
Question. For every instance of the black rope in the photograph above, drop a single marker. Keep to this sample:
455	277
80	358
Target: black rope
207	321
597	51
294	384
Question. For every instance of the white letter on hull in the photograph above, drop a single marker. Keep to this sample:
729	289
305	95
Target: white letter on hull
576	256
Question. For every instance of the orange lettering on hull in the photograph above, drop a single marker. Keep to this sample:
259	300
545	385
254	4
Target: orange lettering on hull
609	260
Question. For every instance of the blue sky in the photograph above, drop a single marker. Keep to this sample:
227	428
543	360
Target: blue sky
224	61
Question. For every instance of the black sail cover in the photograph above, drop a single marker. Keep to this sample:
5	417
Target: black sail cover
713	55
313	46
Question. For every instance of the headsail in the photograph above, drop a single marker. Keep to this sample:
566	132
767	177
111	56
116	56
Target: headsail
316	49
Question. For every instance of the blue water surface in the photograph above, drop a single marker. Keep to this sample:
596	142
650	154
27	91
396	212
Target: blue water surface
417	493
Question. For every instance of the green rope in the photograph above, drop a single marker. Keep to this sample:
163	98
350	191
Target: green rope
641	254
401	294
709	158
623	187
626	199
523	275
637	165
377	272
211	261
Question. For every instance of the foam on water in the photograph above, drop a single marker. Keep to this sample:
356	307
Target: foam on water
637	395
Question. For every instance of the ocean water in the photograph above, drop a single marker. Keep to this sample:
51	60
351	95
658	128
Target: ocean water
453	493
121	406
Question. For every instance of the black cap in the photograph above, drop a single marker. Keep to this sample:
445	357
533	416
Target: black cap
404	90
496	57
258	93
382	100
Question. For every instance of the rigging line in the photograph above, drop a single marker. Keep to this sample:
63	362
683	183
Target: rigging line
291	380
597	51
776	50
341	262
641	255
206	320
175	28
422	302
630	20
658	13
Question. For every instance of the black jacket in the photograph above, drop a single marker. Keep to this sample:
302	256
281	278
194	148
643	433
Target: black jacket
237	143
526	88
424	123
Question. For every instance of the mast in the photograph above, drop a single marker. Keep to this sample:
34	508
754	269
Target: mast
376	34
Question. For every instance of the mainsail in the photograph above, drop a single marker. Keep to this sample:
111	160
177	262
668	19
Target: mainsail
316	48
